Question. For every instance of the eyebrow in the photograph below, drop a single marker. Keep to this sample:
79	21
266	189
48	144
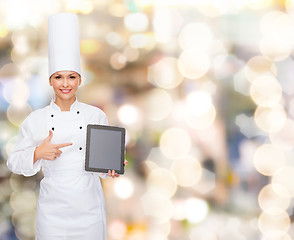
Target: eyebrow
58	75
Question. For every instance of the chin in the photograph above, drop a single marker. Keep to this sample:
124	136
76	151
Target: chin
65	98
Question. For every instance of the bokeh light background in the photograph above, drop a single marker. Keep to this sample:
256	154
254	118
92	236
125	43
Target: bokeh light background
203	87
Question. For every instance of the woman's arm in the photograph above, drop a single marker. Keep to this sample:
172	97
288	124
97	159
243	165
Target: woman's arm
21	159
48	151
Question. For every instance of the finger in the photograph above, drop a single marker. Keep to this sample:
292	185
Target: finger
62	145
109	173
50	156
113	173
58	153
49	136
126	162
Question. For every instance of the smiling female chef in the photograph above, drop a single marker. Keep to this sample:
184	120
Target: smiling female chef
71	204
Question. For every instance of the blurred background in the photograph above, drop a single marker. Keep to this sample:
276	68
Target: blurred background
204	89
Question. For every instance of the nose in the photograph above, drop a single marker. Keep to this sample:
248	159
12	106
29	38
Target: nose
65	82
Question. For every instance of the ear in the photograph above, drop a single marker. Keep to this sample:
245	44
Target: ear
50	81
80	80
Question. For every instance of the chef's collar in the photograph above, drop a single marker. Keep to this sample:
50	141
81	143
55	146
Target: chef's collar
73	107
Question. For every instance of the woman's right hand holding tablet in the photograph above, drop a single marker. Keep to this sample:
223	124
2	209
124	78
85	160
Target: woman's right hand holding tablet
47	150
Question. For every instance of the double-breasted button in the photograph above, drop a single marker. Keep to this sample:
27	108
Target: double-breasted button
81	127
52	115
78	112
80	148
52	129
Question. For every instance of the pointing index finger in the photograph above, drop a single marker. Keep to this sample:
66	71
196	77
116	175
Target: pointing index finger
62	145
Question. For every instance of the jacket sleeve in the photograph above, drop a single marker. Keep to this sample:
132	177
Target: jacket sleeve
103	119
20	160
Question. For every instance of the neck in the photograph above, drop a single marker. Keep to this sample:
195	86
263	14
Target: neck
64	104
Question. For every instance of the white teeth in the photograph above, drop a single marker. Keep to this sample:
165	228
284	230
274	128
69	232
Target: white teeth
65	91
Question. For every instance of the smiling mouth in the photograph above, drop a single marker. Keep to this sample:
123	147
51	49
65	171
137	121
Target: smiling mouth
65	90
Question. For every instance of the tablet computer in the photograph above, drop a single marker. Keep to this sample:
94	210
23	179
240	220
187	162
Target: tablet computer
105	149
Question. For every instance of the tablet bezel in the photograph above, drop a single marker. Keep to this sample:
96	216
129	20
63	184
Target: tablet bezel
111	128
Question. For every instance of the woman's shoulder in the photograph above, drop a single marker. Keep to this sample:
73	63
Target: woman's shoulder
91	108
35	118
94	114
38	113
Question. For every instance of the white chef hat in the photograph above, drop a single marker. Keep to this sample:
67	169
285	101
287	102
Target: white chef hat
63	43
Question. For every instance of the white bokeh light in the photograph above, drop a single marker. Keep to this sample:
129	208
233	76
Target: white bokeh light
258	66
165	73
136	22
196	210
187	171
158	104
129	114
269	159
175	143
285	177
274	198
266	91
16	92
270	119
123	188
195	36
199	102
161	181
194	64
199	111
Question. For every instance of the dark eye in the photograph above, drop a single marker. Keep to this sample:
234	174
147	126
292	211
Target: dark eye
57	77
72	77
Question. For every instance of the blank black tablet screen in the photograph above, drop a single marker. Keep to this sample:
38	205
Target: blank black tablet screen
105	148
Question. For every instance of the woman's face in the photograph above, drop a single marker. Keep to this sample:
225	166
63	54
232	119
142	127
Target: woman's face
65	84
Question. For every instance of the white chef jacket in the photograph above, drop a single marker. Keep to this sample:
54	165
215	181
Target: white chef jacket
71	203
